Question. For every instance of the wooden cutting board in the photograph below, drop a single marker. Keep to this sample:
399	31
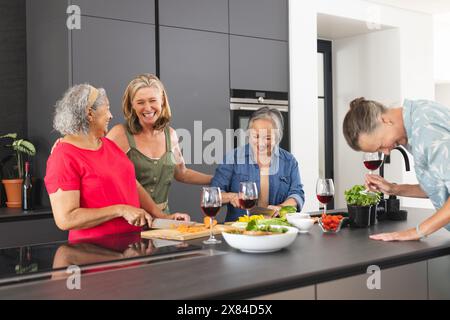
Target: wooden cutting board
173	234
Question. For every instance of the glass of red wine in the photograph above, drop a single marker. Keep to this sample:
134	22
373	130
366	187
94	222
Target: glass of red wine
248	195
373	160
324	192
211	201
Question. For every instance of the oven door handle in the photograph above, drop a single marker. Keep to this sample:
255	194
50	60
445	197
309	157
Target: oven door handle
254	107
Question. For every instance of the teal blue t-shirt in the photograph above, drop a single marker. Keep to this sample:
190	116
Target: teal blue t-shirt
427	125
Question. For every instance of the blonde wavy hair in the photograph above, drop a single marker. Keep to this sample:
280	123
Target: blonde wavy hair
145	80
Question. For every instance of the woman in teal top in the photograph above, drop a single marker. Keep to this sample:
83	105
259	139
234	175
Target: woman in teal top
423	128
149	141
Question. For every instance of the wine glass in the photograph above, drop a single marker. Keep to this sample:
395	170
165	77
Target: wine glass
324	192
248	195
373	160
211	201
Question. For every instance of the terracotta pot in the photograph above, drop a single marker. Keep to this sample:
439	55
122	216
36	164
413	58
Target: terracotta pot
13	189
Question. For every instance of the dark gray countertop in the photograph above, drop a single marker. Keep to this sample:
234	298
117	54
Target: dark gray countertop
311	259
13	214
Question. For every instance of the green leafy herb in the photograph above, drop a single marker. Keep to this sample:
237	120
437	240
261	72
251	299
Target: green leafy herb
354	197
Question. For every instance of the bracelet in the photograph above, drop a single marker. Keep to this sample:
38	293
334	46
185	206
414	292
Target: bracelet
421	235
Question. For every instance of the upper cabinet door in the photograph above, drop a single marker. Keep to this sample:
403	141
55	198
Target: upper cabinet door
131	10
109	53
259	18
259	64
209	15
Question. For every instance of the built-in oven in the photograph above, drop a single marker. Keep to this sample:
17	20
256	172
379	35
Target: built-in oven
244	102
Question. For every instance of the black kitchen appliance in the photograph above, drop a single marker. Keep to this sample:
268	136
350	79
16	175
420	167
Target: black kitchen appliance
389	209
244	102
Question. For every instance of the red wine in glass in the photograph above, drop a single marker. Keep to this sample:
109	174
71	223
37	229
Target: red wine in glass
324	198
324	192
210	203
248	195
373	160
247	203
210	211
373	164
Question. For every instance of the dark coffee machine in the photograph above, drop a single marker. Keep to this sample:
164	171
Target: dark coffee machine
389	209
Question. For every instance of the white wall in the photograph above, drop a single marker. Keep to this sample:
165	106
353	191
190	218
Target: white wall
413	52
442	48
368	66
443	93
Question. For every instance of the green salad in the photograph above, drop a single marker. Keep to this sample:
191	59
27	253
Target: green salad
253	226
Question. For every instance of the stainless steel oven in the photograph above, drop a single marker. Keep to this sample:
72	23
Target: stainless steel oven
244	102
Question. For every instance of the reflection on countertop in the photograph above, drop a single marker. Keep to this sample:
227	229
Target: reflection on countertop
50	261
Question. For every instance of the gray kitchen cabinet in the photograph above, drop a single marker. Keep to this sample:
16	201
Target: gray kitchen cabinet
130	10
194	69
210	15
439	278
304	293
109	53
404	282
29	232
259	64
259	18
47	74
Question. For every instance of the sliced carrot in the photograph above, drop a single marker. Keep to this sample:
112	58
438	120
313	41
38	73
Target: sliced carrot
206	221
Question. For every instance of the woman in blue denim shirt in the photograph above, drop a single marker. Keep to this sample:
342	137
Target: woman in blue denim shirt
274	170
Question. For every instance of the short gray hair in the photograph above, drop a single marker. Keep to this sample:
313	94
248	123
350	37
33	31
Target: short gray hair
71	111
271	114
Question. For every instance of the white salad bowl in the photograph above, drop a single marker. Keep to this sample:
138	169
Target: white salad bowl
297	215
261	244
303	224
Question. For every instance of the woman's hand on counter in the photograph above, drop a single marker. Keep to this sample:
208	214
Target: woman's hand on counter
407	235
135	216
180	216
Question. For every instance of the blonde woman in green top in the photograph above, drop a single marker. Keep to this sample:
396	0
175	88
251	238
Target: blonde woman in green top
149	142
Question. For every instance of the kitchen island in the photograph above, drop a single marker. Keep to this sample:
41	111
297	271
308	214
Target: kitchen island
315	266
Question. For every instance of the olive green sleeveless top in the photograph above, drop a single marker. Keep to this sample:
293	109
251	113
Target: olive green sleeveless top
155	175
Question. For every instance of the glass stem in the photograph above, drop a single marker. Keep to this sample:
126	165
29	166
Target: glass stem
248	212
325	208
211	236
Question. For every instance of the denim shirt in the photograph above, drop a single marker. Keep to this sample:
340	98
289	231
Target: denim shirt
240	166
427	125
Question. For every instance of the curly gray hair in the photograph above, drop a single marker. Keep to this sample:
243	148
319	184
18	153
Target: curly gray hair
71	111
271	114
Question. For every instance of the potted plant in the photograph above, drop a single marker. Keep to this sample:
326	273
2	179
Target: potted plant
12	179
362	206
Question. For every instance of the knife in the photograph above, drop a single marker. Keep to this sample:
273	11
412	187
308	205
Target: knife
262	210
169	223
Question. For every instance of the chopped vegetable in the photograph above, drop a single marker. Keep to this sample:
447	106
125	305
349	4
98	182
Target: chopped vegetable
274	222
207	222
253	226
250	218
331	222
287	209
191	229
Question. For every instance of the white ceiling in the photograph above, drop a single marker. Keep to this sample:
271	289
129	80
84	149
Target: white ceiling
425	6
333	27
